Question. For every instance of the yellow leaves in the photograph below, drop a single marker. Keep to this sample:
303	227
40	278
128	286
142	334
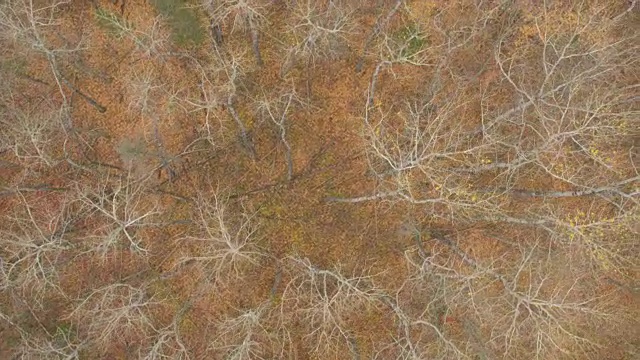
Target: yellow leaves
272	209
525	33
602	259
557	22
485	161
561	26
594	236
296	236
601	157
578	219
558	167
422	11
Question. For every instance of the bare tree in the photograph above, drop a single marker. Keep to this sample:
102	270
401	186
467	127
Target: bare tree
556	116
525	300
381	23
223	243
33	244
324	299
244	336
61	344
150	41
23	21
29	133
113	313
167	342
277	110
231	72
121	210
243	15
30	24
555	132
319	29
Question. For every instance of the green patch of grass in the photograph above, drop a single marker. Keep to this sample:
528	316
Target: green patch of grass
132	150
411	40
113	23
64	330
186	26
15	65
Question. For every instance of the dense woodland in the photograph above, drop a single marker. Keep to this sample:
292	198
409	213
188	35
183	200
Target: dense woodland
319	179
